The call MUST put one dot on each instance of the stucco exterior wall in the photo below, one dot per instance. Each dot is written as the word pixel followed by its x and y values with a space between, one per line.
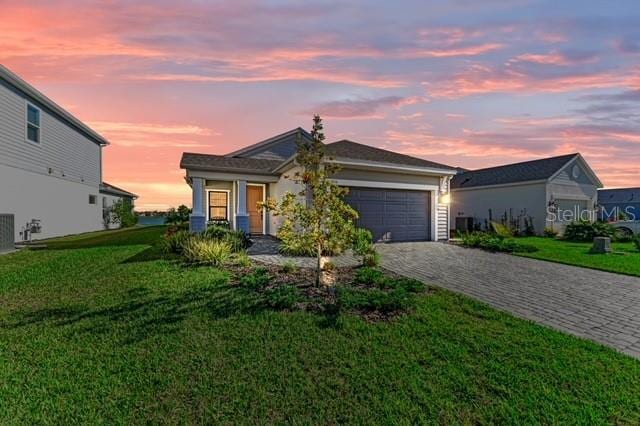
pixel 476 203
pixel 62 206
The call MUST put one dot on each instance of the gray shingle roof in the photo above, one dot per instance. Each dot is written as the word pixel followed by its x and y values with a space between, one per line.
pixel 512 173
pixel 356 151
pixel 107 188
pixel 228 164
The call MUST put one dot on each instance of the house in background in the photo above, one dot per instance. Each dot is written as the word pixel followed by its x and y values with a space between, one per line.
pixel 50 164
pixel 621 206
pixel 111 194
pixel 528 191
pixel 397 196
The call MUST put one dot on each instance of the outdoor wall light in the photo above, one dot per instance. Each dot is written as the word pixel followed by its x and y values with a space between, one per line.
pixel 445 198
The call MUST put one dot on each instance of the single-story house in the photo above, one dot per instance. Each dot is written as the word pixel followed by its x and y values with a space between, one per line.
pixel 110 195
pixel 550 192
pixel 398 197
pixel 620 203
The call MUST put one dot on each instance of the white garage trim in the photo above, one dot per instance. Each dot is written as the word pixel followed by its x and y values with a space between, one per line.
pixel 386 185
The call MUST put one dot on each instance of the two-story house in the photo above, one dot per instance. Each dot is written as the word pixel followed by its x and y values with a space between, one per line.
pixel 50 164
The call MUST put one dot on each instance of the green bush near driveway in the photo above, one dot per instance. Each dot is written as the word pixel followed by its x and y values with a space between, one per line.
pixel 495 242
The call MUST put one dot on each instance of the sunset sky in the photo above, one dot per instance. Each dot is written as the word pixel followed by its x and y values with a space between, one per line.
pixel 466 83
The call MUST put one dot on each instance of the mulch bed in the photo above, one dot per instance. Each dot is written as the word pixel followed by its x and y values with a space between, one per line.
pixel 322 299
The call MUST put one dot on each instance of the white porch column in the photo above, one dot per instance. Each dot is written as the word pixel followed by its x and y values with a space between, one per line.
pixel 198 219
pixel 242 217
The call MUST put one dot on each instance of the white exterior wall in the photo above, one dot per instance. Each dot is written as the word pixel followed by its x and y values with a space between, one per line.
pixel 476 202
pixel 52 180
pixel 62 206
pixel 277 191
pixel 566 187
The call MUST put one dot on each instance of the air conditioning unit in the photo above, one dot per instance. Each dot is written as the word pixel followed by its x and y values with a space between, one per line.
pixel 7 232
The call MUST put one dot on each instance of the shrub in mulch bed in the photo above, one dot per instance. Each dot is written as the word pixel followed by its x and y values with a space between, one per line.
pixel 370 292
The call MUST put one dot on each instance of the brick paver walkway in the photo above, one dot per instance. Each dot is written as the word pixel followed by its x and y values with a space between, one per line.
pixel 600 306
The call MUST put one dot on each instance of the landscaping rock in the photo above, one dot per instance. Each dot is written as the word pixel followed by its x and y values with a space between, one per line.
pixel 601 245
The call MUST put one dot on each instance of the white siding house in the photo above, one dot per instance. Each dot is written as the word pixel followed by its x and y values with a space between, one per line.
pixel 550 192
pixel 50 163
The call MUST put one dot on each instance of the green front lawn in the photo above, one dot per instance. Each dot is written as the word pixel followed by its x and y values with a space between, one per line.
pixel 100 329
pixel 624 260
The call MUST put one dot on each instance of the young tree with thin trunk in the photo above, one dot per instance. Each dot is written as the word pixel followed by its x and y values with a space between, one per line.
pixel 316 219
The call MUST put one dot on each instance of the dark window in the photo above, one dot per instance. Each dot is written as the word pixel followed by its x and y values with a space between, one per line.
pixel 93 199
pixel 218 205
pixel 33 124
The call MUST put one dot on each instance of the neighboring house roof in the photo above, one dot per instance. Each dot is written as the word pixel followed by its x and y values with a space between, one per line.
pixel 223 163
pixel 535 170
pixel 107 188
pixel 346 149
pixel 619 195
pixel 37 97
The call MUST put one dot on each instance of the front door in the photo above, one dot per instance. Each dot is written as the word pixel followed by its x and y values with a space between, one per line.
pixel 256 217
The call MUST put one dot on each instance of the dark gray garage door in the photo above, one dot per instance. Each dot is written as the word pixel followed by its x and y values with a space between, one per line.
pixel 392 214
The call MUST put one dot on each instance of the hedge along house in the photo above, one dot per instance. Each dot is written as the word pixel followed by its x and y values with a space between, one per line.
pixel 549 192
pixel 398 197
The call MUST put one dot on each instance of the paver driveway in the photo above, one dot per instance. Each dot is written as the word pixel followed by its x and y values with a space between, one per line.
pixel 600 306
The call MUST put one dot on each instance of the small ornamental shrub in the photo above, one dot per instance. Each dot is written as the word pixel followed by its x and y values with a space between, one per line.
pixel 493 242
pixel 502 230
pixel 371 258
pixel 362 241
pixel 174 242
pixel 375 300
pixel 256 280
pixel 221 223
pixel 238 240
pixel 215 232
pixel 636 242
pixel 202 250
pixel 368 276
pixel 550 232
pixel 586 231
pixel 240 259
pixel 123 214
pixel 282 297
pixel 289 267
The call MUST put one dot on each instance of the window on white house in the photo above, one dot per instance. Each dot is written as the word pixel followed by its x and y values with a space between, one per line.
pixel 218 205
pixel 33 124
pixel 93 199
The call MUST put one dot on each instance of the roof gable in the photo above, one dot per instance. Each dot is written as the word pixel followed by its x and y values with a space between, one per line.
pixel 527 171
pixel 278 147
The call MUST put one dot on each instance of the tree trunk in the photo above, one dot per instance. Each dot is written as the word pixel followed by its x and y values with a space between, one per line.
pixel 318 264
